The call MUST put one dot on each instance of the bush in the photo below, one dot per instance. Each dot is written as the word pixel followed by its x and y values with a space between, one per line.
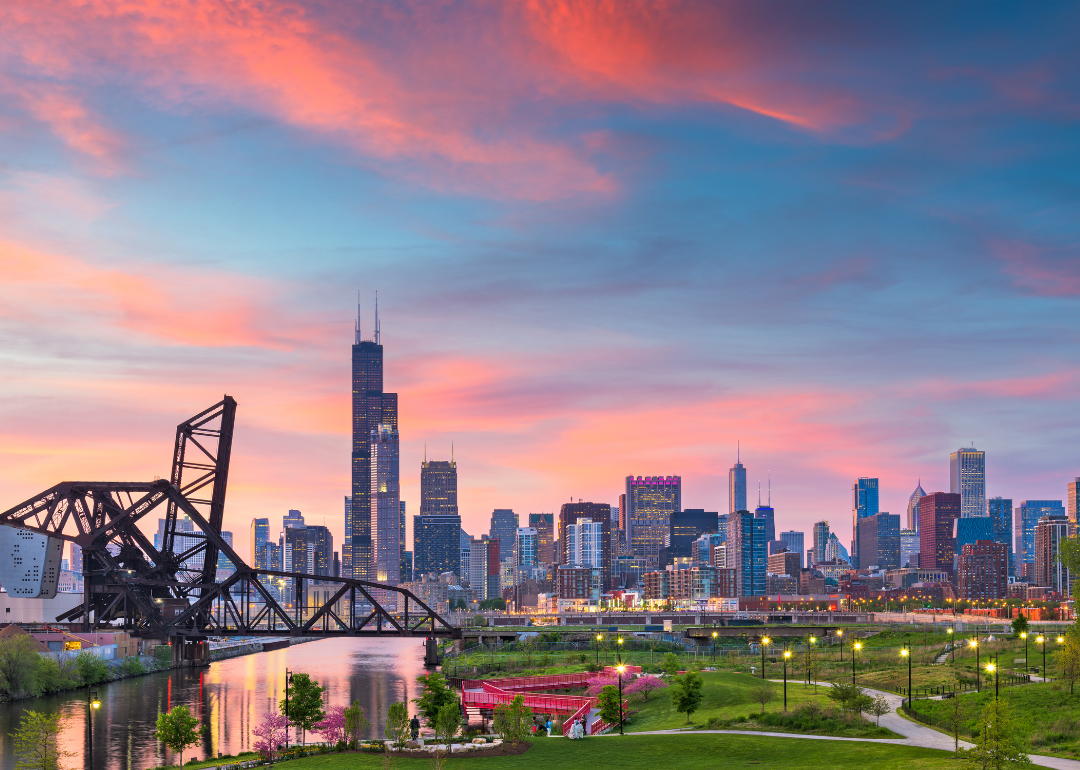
pixel 132 666
pixel 163 655
pixel 55 676
pixel 91 668
pixel 19 666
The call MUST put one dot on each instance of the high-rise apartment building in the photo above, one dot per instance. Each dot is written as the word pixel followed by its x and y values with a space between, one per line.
pixel 504 527
pixel 544 524
pixel 747 554
pixel 1025 517
pixel 385 521
pixel 585 543
pixel 794 542
pixel 1049 572
pixel 526 554
pixel 785 563
pixel 599 513
pixel 320 542
pixel 967 478
pixel 260 536
pixel 737 487
pixel 484 575
pixel 294 549
pixel 402 569
pixel 864 502
pixel 651 500
pixel 1000 510
pixel 937 512
pixel 371 408
pixel 983 571
pixel 909 548
pixel 879 541
pixel 821 541
pixel 436 544
pixel 686 527
pixel 913 507
pixel 1073 498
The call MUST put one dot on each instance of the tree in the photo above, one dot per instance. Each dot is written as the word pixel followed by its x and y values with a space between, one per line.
pixel 995 746
pixel 272 734
pixel 844 694
pixel 528 646
pixel 609 704
pixel 355 724
pixel 304 706
pixel 494 603
pixel 36 746
pixel 56 675
pixel 954 715
pixel 446 724
pixel 397 724
pixel 1069 657
pixel 762 693
pixel 92 669
pixel 1019 625
pixel 878 708
pixel 332 726
pixel 177 729
pixel 19 662
pixel 646 684
pixel 512 720
pixel 599 682
pixel 687 693
pixel 669 664
pixel 435 695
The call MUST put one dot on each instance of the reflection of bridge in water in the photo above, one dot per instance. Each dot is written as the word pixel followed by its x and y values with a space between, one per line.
pixel 171 592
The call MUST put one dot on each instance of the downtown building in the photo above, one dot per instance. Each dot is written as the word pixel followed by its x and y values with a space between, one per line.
pixel 1025 518
pixel 821 542
pixel 544 524
pixel 504 527
pixel 1049 571
pixel 437 540
pixel 864 503
pixel 913 507
pixel 937 549
pixel 983 572
pixel 572 542
pixel 737 487
pixel 878 539
pixel 967 478
pixel 650 502
pixel 1000 510
pixel 794 542
pixel 747 553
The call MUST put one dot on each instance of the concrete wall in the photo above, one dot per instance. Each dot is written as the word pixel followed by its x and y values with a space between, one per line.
pixel 16 610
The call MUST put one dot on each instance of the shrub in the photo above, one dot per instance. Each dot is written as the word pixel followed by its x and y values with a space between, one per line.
pixel 91 668
pixel 132 666
pixel 163 655
pixel 19 666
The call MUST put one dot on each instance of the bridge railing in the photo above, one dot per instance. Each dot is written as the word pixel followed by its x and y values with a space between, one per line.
pixel 525 683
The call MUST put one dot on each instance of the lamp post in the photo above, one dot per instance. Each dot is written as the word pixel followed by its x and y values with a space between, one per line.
pixel 787 654
pixel 978 677
pixel 92 705
pixel 810 641
pixel 598 638
pixel 991 668
pixel 1023 635
pixel 906 652
pixel 619 648
pixel 620 668
pixel 1042 640
pixel 714 646
pixel 288 678
pixel 856 646
pixel 840 634
pixel 764 643
pixel 952 647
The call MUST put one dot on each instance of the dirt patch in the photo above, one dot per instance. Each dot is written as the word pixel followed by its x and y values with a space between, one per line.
pixel 502 750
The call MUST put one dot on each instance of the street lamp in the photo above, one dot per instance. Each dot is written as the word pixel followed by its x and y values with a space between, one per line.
pixel 93 704
pixel 991 668
pixel 978 678
pixel 620 668
pixel 714 646
pixel 840 633
pixel 1042 640
pixel 854 648
pixel 764 642
pixel 952 647
pixel 906 652
pixel 598 638
pixel 620 650
pixel 812 640
pixel 787 654
pixel 1023 635
pixel 288 678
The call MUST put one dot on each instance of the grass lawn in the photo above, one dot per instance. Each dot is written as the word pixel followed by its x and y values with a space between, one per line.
pixel 1046 716
pixel 728 695
pixel 685 751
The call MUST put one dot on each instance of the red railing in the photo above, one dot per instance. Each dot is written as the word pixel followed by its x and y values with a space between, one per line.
pixel 490 696
pixel 521 683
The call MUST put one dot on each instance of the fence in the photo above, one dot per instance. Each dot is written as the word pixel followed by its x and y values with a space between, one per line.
pixel 1009 680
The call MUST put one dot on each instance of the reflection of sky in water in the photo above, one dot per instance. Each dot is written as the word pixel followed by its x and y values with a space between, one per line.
pixel 230 697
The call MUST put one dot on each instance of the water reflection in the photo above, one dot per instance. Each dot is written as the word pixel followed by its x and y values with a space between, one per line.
pixel 229 698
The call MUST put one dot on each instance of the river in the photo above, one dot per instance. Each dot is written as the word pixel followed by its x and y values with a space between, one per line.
pixel 229 697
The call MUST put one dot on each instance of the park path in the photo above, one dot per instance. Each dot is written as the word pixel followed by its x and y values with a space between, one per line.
pixel 915 734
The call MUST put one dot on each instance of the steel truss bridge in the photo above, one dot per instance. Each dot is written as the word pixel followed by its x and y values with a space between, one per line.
pixel 170 591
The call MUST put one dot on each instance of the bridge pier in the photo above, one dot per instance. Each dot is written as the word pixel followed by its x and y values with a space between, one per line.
pixel 431 651
pixel 189 654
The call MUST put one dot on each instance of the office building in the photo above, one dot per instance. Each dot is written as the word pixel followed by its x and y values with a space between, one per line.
pixel 864 502
pixel 1073 501
pixel 436 544
pixel 879 541
pixel 746 553
pixel 937 512
pixel 438 487
pixel 584 584
pixel 794 541
pixel 971 530
pixel 721 527
pixel 651 501
pixel 967 478
pixel 909 548
pixel 320 543
pixel 821 541
pixel 686 527
pixel 402 571
pixel 785 563
pixel 835 551
pixel 465 549
pixel 544 524
pixel 1049 571
pixel 504 527
pixel 737 486
pixel 385 519
pixel 294 549
pixel 1025 517
pixel 597 513
pixel 766 513
pixel 1000 510
pixel 585 543
pixel 182 542
pixel 407 575
pixel 983 572
pixel 260 536
pixel 913 507
pixel 371 408
pixel 292 519
pixel 528 548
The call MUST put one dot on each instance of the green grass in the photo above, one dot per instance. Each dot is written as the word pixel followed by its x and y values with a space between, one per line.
pixel 685 751
pixel 1046 716
pixel 728 696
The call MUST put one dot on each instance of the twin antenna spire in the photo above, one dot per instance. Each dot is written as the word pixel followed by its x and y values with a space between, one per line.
pixel 357 338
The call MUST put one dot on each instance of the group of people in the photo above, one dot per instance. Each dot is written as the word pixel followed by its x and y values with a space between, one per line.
pixel 577 730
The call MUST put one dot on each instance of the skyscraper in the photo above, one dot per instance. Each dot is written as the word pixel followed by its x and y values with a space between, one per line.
pixel 585 543
pixel 879 541
pixel 386 530
pixel 436 544
pixel 937 512
pixel 320 542
pixel 1001 510
pixel 260 536
pixel 983 574
pixel 913 507
pixel 1049 572
pixel 292 519
pixel 864 502
pixel 967 477
pixel 768 514
pixel 686 527
pixel 1027 515
pixel 403 567
pixel 650 501
pixel 371 408
pixel 821 541
pixel 504 527
pixel 1073 498
pixel 794 542
pixel 737 486
pixel 526 554
pixel 544 524
pixel 746 552
pixel 572 513
pixel 438 487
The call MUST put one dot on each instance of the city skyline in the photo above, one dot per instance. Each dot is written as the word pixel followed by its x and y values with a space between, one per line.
pixel 593 259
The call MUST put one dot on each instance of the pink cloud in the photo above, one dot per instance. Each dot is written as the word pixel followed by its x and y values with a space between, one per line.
pixel 1039 270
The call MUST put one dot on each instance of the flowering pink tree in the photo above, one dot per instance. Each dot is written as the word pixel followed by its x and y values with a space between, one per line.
pixel 272 734
pixel 645 684
pixel 332 727
pixel 600 681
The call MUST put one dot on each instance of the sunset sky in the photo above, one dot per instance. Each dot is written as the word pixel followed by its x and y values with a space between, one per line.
pixel 608 238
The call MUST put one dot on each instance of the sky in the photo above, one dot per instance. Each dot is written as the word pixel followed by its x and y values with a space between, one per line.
pixel 608 239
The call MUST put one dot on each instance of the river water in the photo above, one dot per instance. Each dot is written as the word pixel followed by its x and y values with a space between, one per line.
pixel 229 697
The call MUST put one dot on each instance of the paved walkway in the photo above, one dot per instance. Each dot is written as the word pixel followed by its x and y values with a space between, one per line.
pixel 915 734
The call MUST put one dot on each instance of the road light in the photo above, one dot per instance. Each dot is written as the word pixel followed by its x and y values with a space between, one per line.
pixel 906 652
pixel 978 677
pixel 855 647
pixel 787 654
pixel 620 650
pixel 620 668
pixel 952 647
pixel 991 668
pixel 840 633
pixel 764 642
pixel 93 704
pixel 598 638
pixel 1042 640
pixel 1023 635
pixel 810 642
pixel 714 646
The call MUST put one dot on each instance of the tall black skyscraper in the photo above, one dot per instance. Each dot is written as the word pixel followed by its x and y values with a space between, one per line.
pixel 371 407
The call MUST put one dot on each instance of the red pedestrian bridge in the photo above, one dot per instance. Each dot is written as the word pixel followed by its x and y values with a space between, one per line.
pixel 477 694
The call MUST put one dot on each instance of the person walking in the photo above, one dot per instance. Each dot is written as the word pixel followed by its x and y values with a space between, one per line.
pixel 414 727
